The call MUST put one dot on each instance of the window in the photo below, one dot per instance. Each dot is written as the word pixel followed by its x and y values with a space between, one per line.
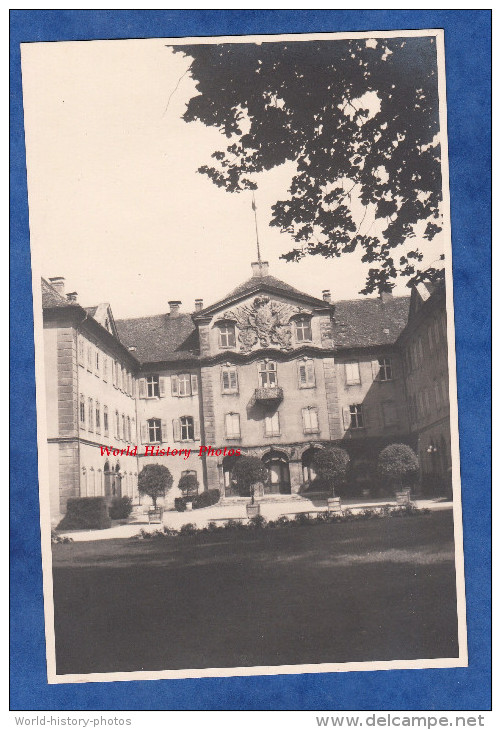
pixel 123 432
pixel 310 420
pixel 82 411
pixel 117 425
pixel 229 379
pixel 303 329
pixel 227 335
pixel 105 421
pixel 105 369
pixel 89 357
pixel 187 428
pixel 385 372
pixel 272 425
pixel 133 429
pixel 232 425
pixel 98 417
pixel 128 434
pixel 114 373
pixel 152 386
pixel 119 376
pixel 184 385
pixel 81 351
pixel 352 372
pixel 268 374
pixel 97 361
pixel 306 373
pixel 91 414
pixel 155 430
pixel 356 416
pixel 389 413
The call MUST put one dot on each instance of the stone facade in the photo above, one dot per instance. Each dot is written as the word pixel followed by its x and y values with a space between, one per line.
pixel 268 371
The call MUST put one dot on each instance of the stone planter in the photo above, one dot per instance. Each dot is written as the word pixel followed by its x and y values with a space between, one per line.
pixel 253 510
pixel 334 505
pixel 403 496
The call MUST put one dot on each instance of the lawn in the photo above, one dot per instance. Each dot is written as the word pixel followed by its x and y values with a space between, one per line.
pixel 359 591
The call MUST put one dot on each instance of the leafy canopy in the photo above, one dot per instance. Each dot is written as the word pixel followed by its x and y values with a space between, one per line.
pixel 398 464
pixel 154 480
pixel 330 465
pixel 358 118
pixel 248 471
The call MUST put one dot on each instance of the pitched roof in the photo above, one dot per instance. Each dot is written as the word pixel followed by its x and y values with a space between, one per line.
pixel 52 298
pixel 256 283
pixel 369 322
pixel 160 337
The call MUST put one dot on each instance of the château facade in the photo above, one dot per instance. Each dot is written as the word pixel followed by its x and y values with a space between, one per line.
pixel 268 371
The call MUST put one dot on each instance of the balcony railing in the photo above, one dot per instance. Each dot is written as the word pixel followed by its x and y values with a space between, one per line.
pixel 268 395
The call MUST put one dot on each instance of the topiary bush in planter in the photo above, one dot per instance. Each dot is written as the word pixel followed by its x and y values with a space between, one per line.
pixel 330 465
pixel 398 465
pixel 120 508
pixel 188 485
pixel 247 472
pixel 85 513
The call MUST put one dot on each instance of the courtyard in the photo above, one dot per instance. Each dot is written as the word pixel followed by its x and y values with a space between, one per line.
pixel 357 591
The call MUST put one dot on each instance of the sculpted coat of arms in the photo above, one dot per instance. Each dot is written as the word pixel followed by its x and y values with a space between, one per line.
pixel 264 321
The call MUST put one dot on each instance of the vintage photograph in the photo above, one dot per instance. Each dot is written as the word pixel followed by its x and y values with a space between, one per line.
pixel 245 361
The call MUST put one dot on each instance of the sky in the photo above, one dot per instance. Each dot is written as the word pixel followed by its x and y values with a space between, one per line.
pixel 115 201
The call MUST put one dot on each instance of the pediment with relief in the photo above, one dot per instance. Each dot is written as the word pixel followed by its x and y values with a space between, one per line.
pixel 264 322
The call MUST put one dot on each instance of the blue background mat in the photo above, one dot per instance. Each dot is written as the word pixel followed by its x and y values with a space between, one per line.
pixel 468 47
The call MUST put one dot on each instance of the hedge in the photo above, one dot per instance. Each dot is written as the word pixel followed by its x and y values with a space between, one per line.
pixel 204 499
pixel 85 513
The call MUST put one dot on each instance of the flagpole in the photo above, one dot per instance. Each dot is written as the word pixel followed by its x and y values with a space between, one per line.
pixel 255 223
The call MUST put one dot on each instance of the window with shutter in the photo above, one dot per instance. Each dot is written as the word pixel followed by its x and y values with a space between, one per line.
pixel 82 411
pixel 174 385
pixel 98 417
pixel 352 372
pixel 105 421
pixel 229 381
pixel 232 425
pixel 272 425
pixel 310 420
pixel 184 381
pixel 187 427
pixel 356 416
pixel 306 370
pixel 194 385
pixel 154 430
pixel 152 386
pixel 389 413
pixel 90 410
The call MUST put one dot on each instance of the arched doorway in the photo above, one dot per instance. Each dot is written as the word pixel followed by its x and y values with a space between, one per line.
pixel 108 489
pixel 279 481
pixel 228 465
pixel 308 472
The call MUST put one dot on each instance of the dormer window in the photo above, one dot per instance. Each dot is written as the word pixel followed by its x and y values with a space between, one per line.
pixel 303 329
pixel 227 335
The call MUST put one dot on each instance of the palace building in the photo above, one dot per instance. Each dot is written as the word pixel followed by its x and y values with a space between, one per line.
pixel 268 370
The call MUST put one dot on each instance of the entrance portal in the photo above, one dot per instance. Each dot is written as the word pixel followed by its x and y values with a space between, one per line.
pixel 279 481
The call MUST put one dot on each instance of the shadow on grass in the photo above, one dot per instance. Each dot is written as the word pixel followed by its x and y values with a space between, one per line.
pixel 380 590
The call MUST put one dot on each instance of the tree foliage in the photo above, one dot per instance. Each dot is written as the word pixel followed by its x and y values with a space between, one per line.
pixel 398 464
pixel 154 480
pixel 188 484
pixel 330 466
pixel 309 103
pixel 248 471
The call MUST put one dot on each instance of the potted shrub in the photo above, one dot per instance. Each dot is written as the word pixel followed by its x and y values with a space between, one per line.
pixel 188 484
pixel 331 465
pixel 399 466
pixel 248 472
pixel 154 480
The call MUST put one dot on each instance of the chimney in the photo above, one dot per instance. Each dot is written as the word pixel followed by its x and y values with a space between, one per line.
pixel 199 305
pixel 174 307
pixel 259 268
pixel 71 296
pixel 326 295
pixel 386 296
pixel 58 284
